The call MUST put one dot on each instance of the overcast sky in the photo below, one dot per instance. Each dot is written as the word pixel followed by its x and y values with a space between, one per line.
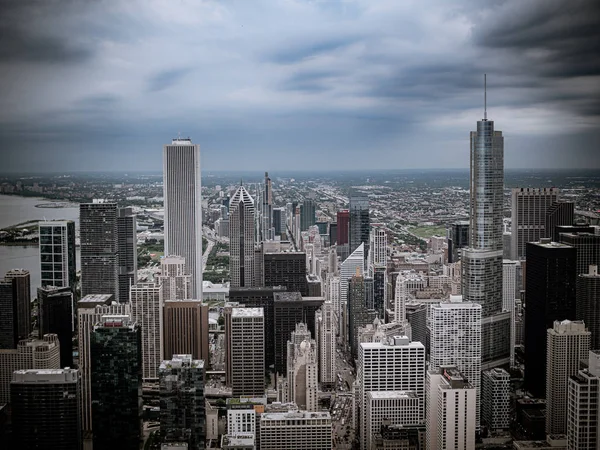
pixel 296 84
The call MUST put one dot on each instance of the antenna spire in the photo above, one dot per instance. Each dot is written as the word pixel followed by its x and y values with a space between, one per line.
pixel 485 96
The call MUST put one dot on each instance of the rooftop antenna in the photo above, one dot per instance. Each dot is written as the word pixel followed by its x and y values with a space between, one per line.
pixel 485 96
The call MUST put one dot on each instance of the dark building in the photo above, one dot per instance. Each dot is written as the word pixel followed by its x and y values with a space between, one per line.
pixel 550 296
pixel 359 314
pixel 182 404
pixel 416 315
pixel 343 227
pixel 307 214
pixel 116 383
pixel 359 225
pixel 333 233
pixel 8 315
pixel 406 437
pixel 286 269
pixel 261 297
pixel 322 226
pixel 290 308
pixel 558 213
pixel 99 253
pixel 560 229
pixel 314 286
pixel 46 409
pixel 57 253
pixel 588 304
pixel 127 249
pixel 379 290
pixel 278 215
pixel 458 237
pixel 55 315
pixel 588 249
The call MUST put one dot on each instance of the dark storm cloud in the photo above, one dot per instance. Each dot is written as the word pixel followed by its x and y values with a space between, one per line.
pixel 167 78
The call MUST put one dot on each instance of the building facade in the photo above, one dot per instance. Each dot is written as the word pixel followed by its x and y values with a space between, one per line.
pixel 127 247
pixel 55 315
pixel 246 341
pixel 241 239
pixel 185 329
pixel 147 313
pixel 306 430
pixel 325 337
pixel 58 265
pixel 495 399
pixel 588 303
pixel 359 225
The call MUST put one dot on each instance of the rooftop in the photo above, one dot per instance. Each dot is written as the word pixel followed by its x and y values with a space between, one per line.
pixel 247 312
pixel 384 395
pixel 46 376
pixel 96 298
pixel 179 361
pixel 291 415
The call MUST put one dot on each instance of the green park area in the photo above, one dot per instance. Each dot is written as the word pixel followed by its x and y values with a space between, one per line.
pixel 426 231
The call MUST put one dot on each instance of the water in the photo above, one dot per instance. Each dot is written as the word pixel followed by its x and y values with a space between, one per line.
pixel 14 210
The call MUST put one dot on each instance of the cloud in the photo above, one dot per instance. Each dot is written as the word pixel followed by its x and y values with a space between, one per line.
pixel 166 78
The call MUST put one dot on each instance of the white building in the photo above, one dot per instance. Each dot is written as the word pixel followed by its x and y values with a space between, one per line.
pixel 406 283
pixel 399 407
pixel 333 295
pixel 147 312
pixel 451 405
pixel 302 370
pixel 394 365
pixel 297 429
pixel 584 406
pixel 495 399
pixel 568 342
pixel 241 239
pixel 182 194
pixel 325 337
pixel 348 268
pixel 247 351
pixel 456 340
pixel 175 280
pixel 377 247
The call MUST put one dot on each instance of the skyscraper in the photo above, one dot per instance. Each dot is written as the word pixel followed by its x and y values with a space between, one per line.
pixel 286 269
pixel 307 214
pixel 116 383
pixel 56 316
pixel 359 224
pixel 343 226
pixel 183 206
pixel 267 225
pixel 302 369
pixel 174 278
pixel 8 315
pixel 529 207
pixel 557 214
pixel 99 251
pixel 458 238
pixel 325 337
pixel 568 343
pixel 57 253
pixel 588 303
pixel 22 292
pixel 588 249
pixel 147 313
pixel 185 329
pixel 127 247
pixel 45 409
pixel 482 261
pixel 182 403
pixel 377 247
pixel 550 296
pixel 495 399
pixel 241 239
pixel 583 398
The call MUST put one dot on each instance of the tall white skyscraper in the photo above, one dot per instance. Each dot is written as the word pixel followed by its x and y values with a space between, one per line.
pixel 241 239
pixel 57 253
pixel 147 312
pixel 174 278
pixel 584 406
pixel 325 337
pixel 568 343
pixel 406 282
pixel 183 206
pixel 377 247
pixel 333 295
pixel 456 341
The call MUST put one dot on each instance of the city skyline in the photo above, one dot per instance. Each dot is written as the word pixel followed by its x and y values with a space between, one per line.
pixel 375 82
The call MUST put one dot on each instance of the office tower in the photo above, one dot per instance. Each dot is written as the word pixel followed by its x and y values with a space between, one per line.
pixel 279 221
pixel 495 399
pixel 241 239
pixel 185 329
pixel 378 246
pixel 456 340
pixel 529 207
pixel 57 253
pixel 127 247
pixel 583 402
pixel 343 227
pixel 243 415
pixel 267 231
pixel 481 261
pixel 359 225
pixel 406 283
pixel 21 289
pixel 290 308
pixel 458 238
pixel 147 313
pixel 246 339
pixel 56 316
pixel 348 270
pixel 301 429
pixel 451 408
pixel 286 269
pixel 182 403
pixel 359 313
pixel 302 369
pixel 557 214
pixel 175 280
pixel 30 354
pixel 509 294
pixel 380 283
pixel 416 316
pixel 116 383
pixel 568 343
pixel 99 251
pixel 588 304
pixel 396 364
pixel 45 409
pixel 588 249
pixel 9 318
pixel 307 214
pixel 550 295
pixel 333 233
pixel 182 194
pixel 325 337
pixel 399 407
pixel 90 310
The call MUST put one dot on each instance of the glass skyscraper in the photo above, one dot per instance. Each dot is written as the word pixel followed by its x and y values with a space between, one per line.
pixel 57 253
pixel 359 222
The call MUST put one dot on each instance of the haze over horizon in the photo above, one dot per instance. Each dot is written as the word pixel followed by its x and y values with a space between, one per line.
pixel 297 84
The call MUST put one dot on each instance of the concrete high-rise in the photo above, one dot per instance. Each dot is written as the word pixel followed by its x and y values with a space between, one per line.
pixel 299 429
pixel 182 194
pixel 359 225
pixel 325 337
pixel 241 239
pixel 55 315
pixel 550 295
pixel 174 278
pixel 568 343
pixel 185 329
pixel 358 311
pixel 509 295
pixel 588 303
pixel 127 248
pixel 116 383
pixel 99 248
pixel 147 313
pixel 182 403
pixel 45 409
pixel 398 407
pixel 456 341
pixel 495 399
pixel 377 247
pixel 58 265
pixel 302 369
pixel 529 207
pixel 481 262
